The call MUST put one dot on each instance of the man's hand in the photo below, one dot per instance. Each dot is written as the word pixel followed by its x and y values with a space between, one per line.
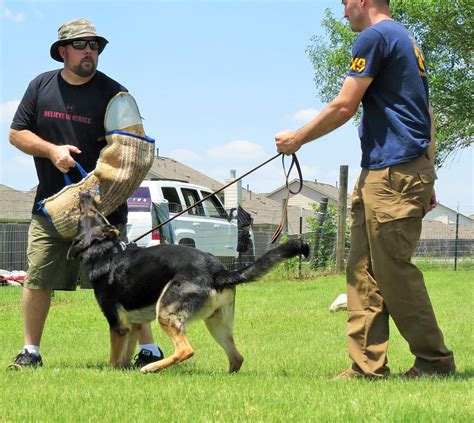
pixel 433 202
pixel 287 142
pixel 61 156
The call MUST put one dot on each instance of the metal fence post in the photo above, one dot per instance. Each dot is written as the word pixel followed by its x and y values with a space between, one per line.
pixel 456 240
pixel 323 208
pixel 301 237
pixel 284 206
pixel 342 217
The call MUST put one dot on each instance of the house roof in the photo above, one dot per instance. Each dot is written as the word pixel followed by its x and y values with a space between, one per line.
pixel 166 168
pixel 454 211
pixel 15 206
pixel 329 190
pixel 326 190
pixel 266 211
pixel 433 229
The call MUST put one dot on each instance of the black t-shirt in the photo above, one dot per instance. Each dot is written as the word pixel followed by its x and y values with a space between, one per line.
pixel 62 113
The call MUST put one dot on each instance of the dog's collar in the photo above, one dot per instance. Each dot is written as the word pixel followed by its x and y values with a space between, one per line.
pixel 121 246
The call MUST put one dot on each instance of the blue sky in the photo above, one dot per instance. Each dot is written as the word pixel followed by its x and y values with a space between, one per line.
pixel 215 80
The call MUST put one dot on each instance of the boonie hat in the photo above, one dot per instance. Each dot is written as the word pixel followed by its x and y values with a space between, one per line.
pixel 73 30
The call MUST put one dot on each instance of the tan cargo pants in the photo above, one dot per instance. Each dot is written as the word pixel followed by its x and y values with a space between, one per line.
pixel 387 209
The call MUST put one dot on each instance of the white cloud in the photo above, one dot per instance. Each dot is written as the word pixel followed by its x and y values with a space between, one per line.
pixel 305 115
pixel 184 155
pixel 7 110
pixel 15 17
pixel 309 173
pixel 237 150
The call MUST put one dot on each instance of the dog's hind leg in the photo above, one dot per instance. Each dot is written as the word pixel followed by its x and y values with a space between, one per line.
pixel 129 347
pixel 182 347
pixel 220 325
pixel 181 301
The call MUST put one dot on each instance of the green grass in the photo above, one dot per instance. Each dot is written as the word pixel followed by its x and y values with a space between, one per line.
pixel 292 344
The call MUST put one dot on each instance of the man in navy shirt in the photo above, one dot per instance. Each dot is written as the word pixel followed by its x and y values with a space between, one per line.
pixel 393 193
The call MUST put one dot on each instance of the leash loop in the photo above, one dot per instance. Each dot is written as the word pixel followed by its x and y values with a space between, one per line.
pixel 296 163
pixel 284 212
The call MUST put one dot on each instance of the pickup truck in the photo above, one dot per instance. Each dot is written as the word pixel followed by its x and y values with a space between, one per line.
pixel 207 226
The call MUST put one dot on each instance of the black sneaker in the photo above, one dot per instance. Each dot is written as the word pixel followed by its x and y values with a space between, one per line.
pixel 25 359
pixel 145 357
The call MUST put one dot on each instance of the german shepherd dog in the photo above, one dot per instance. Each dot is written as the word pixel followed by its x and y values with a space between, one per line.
pixel 174 284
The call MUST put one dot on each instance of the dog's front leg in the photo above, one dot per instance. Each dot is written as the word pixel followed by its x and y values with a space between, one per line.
pixel 129 347
pixel 118 343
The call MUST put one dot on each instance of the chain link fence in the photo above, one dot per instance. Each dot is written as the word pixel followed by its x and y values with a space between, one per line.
pixel 447 241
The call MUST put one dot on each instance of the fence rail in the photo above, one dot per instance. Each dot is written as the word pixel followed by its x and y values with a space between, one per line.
pixel 442 250
pixel 449 240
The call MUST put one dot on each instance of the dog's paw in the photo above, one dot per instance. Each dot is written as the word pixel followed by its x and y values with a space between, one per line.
pixel 149 368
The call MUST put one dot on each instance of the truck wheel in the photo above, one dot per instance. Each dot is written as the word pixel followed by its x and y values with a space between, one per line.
pixel 188 242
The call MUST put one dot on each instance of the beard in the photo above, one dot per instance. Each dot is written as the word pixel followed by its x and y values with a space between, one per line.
pixel 86 68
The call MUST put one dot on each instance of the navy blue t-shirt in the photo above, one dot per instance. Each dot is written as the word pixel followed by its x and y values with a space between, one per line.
pixel 396 125
pixel 62 113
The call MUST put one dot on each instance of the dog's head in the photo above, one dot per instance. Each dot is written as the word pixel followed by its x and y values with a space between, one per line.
pixel 95 235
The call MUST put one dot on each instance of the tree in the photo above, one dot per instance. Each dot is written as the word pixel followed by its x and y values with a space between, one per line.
pixel 444 30
pixel 324 237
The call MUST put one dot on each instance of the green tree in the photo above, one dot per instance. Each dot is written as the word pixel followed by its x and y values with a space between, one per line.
pixel 444 30
pixel 324 237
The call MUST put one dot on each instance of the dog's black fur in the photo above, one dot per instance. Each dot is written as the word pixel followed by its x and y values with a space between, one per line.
pixel 174 283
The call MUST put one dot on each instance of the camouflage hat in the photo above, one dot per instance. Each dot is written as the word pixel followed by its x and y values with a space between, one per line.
pixel 73 30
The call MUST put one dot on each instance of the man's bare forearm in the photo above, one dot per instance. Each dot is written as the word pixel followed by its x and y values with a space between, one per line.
pixel 336 114
pixel 30 143
pixel 331 118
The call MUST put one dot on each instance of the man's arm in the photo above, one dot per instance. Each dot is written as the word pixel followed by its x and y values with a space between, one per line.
pixel 32 144
pixel 338 112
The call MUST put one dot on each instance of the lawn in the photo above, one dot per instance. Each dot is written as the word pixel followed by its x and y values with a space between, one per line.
pixel 293 347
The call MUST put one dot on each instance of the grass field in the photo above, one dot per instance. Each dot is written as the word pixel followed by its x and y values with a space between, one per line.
pixel 293 347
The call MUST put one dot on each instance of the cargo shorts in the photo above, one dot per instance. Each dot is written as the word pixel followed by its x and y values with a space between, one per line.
pixel 48 266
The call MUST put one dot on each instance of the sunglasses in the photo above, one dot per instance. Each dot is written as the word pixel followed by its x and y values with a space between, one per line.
pixel 81 44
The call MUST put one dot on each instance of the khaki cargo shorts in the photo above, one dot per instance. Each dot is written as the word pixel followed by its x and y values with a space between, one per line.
pixel 48 266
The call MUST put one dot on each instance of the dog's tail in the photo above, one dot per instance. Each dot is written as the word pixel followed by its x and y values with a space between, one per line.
pixel 289 249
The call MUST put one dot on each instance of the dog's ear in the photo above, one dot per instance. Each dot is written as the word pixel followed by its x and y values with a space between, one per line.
pixel 110 232
pixel 76 247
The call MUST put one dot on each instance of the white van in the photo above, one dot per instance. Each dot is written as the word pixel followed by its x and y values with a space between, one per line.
pixel 207 226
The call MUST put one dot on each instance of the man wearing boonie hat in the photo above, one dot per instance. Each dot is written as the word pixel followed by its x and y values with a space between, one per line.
pixel 60 120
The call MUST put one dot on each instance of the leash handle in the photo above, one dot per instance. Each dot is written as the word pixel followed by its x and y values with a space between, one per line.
pixel 206 197
pixel 294 162
pixel 284 213
pixel 83 173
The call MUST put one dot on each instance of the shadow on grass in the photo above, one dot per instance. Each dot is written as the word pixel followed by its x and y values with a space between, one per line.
pixel 458 376
pixel 190 370
pixel 466 374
